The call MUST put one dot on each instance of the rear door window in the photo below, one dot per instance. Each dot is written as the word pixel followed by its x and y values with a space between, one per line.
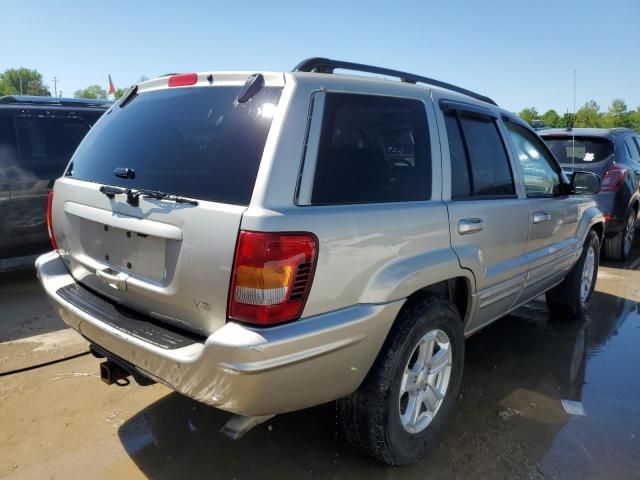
pixel 632 149
pixel 198 142
pixel 479 162
pixel 372 149
pixel 46 143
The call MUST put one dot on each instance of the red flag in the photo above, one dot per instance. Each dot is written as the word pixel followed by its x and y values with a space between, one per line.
pixel 112 88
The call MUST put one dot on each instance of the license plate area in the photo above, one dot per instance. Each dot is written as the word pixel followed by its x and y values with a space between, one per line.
pixel 125 250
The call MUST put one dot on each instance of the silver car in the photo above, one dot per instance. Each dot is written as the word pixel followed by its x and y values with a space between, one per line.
pixel 266 242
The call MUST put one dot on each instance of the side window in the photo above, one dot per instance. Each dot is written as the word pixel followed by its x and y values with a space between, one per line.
pixel 460 181
pixel 636 140
pixel 541 177
pixel 46 144
pixel 479 162
pixel 372 149
pixel 632 148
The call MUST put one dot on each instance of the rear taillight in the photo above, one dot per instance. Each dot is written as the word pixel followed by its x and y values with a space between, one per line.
pixel 183 79
pixel 613 178
pixel 52 237
pixel 272 276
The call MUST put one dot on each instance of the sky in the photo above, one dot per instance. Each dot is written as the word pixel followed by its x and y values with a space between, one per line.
pixel 520 53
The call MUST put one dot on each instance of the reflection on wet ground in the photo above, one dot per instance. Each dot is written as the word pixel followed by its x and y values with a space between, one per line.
pixel 509 423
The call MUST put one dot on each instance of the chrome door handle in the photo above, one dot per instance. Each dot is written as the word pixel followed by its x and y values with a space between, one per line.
pixel 113 278
pixel 470 225
pixel 539 217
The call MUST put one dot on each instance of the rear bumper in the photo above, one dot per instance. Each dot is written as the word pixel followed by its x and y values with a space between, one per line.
pixel 248 371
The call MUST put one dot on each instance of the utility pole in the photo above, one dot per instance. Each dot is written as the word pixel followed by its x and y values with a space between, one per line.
pixel 20 85
pixel 55 86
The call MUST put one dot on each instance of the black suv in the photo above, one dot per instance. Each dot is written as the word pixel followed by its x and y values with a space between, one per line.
pixel 38 135
pixel 614 154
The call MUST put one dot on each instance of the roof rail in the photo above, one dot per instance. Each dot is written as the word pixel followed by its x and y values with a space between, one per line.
pixel 325 65
pixel 54 101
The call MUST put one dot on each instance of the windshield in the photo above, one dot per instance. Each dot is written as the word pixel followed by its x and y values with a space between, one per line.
pixel 197 142
pixel 585 151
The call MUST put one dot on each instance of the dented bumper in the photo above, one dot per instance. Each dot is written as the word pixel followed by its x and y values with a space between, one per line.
pixel 247 371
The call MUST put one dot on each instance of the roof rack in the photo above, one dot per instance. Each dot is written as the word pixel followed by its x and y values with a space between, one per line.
pixel 54 101
pixel 325 65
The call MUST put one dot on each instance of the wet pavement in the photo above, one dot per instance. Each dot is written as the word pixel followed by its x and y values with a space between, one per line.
pixel 60 421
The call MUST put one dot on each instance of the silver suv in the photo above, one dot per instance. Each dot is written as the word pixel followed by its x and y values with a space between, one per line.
pixel 268 242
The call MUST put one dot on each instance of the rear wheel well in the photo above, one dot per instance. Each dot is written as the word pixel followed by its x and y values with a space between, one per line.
pixel 455 290
pixel 599 229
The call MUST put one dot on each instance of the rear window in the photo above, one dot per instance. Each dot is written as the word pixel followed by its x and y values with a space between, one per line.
pixel 197 142
pixel 585 150
pixel 46 144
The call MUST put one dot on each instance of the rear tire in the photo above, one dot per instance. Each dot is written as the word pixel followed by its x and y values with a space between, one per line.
pixel 419 365
pixel 570 299
pixel 618 247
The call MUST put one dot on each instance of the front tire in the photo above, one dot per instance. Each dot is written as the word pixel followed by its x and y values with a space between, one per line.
pixel 398 411
pixel 571 297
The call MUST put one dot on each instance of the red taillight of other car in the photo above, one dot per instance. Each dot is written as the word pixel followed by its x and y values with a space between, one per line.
pixel 272 276
pixel 613 178
pixel 52 237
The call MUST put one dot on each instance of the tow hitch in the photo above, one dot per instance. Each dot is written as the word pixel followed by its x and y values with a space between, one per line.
pixel 111 373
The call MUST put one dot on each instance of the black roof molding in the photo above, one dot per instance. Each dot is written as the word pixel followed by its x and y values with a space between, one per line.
pixel 326 65
pixel 53 101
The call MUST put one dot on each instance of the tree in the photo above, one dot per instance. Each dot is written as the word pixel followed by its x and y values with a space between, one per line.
pixel 92 91
pixel 634 119
pixel 22 81
pixel 589 115
pixel 617 116
pixel 529 114
pixel 567 121
pixel 118 93
pixel 551 118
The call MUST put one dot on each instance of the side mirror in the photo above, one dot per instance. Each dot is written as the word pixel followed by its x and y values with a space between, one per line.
pixel 585 183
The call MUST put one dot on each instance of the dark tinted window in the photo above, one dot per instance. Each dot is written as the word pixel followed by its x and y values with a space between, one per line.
pixel 460 182
pixel 490 168
pixel 198 142
pixel 46 144
pixel 585 150
pixel 479 162
pixel 8 150
pixel 372 149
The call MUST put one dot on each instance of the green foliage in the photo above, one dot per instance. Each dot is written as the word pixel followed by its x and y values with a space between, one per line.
pixel 551 119
pixel 529 114
pixel 617 116
pixel 567 121
pixel 92 91
pixel 118 93
pixel 589 116
pixel 16 81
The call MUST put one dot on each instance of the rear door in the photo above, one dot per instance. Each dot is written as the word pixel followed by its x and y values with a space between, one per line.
pixel 553 215
pixel 169 260
pixel 488 220
pixel 8 163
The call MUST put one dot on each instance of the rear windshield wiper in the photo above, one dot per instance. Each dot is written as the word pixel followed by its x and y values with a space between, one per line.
pixel 133 195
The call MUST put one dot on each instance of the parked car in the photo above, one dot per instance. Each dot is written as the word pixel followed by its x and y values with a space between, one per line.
pixel 268 242
pixel 614 154
pixel 38 135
